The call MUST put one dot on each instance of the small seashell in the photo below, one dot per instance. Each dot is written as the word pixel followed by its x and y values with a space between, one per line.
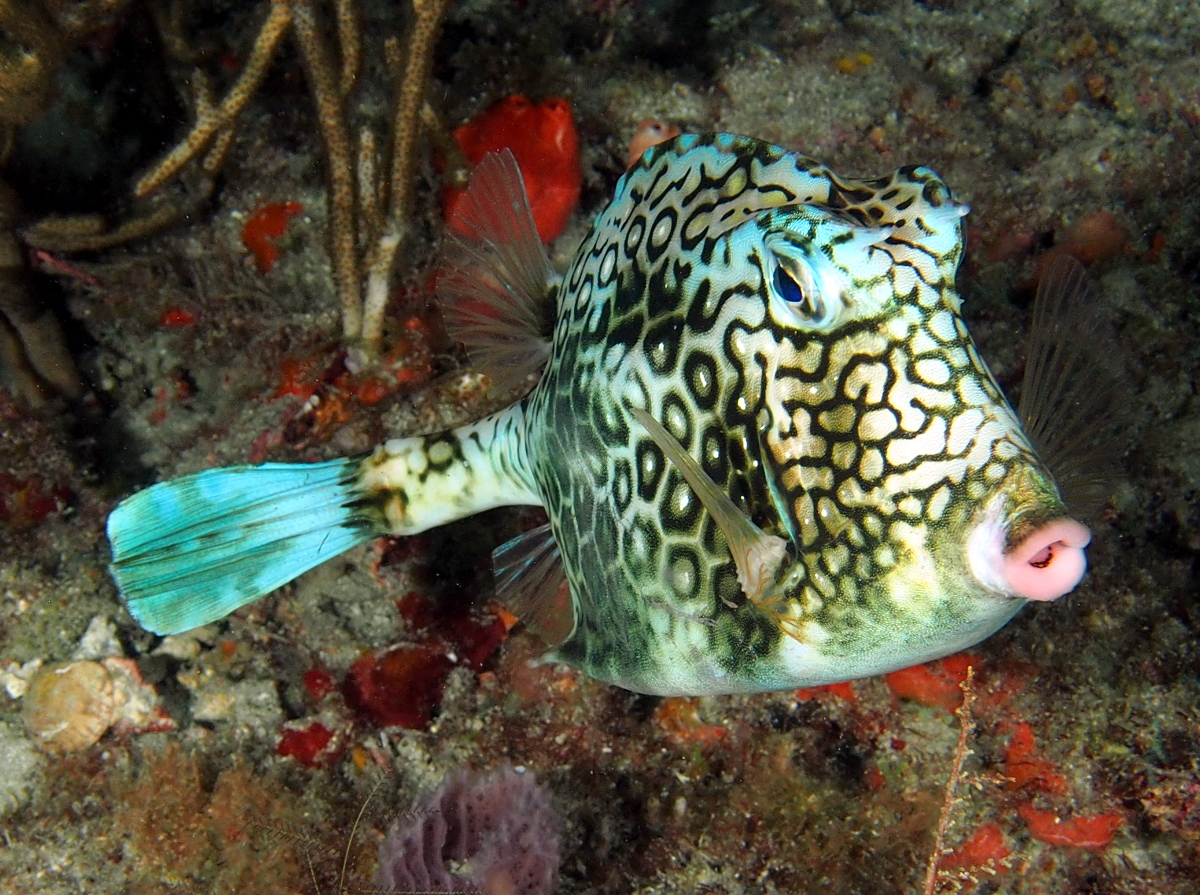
pixel 69 705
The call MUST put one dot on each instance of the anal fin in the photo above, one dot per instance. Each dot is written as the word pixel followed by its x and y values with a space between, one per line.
pixel 531 583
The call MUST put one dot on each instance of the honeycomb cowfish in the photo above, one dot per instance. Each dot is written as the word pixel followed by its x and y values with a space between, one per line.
pixel 768 449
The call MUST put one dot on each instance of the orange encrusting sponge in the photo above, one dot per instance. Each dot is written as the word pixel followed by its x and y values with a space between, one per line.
pixel 266 225
pixel 544 141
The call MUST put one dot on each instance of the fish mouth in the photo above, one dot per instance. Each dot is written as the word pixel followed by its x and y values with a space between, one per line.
pixel 1048 562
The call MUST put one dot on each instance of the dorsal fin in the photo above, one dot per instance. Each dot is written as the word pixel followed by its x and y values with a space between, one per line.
pixel 531 583
pixel 494 276
pixel 1074 407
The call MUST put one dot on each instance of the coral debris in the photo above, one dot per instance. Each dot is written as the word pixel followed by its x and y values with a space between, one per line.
pixel 69 705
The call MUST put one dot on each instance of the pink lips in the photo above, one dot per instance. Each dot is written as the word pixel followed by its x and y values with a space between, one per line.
pixel 1048 563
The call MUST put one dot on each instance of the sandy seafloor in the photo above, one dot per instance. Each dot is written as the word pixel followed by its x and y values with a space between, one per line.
pixel 1039 114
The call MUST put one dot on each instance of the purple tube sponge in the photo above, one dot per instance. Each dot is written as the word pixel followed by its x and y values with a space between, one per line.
pixel 499 828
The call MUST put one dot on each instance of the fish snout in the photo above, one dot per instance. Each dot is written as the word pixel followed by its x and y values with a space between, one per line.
pixel 1050 561
pixel 1047 563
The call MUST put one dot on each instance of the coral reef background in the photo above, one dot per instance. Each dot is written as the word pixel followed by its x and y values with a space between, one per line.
pixel 237 757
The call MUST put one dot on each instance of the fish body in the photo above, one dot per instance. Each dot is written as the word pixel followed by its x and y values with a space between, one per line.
pixel 769 451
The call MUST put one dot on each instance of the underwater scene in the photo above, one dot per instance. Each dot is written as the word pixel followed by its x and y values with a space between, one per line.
pixel 594 447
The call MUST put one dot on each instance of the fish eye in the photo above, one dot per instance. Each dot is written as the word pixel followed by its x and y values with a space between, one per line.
pixel 804 303
pixel 821 269
pixel 801 299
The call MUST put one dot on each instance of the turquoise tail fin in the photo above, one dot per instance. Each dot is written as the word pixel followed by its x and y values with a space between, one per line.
pixel 192 550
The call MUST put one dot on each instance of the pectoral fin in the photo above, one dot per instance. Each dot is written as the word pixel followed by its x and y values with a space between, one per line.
pixel 1075 406
pixel 758 555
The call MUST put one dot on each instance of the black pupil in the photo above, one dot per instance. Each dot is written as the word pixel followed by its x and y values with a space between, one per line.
pixel 790 289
